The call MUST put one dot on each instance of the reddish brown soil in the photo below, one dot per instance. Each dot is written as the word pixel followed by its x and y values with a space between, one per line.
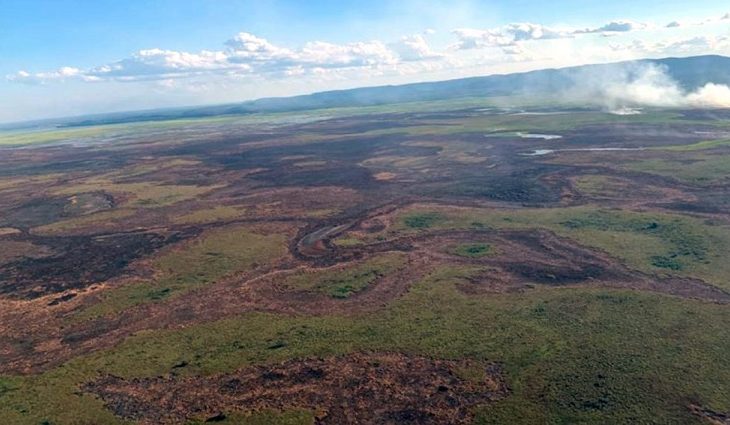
pixel 711 416
pixel 359 388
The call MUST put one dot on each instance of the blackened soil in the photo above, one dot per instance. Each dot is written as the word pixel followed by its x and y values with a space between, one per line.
pixel 80 262
pixel 41 211
pixel 360 388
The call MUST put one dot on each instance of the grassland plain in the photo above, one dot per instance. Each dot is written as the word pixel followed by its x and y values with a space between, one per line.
pixel 204 260
pixel 700 169
pixel 706 144
pixel 648 241
pixel 344 283
pixel 483 122
pixel 145 194
pixel 256 198
pixel 571 356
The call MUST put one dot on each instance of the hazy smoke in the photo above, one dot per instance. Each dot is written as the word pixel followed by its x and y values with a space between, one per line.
pixel 623 89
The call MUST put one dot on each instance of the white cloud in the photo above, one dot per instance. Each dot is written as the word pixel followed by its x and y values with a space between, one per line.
pixel 161 63
pixel 329 55
pixel 615 27
pixel 247 56
pixel 62 73
pixel 247 45
pixel 414 48
pixel 513 34
pixel 507 35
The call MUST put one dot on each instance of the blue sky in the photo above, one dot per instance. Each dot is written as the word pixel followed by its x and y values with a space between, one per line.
pixel 61 57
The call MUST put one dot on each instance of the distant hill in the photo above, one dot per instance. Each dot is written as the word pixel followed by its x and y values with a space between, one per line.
pixel 690 73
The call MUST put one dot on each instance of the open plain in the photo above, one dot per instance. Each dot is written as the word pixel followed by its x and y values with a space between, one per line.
pixel 433 262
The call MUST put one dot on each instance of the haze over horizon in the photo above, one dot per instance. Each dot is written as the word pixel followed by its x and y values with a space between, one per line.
pixel 58 61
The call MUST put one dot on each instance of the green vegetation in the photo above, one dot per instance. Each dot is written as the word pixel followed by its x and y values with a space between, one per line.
pixel 585 355
pixel 145 194
pixel 598 185
pixel 707 144
pixel 682 244
pixel 697 247
pixel 202 261
pixel 209 215
pixel 422 221
pixel 46 136
pixel 698 169
pixel 666 262
pixel 142 128
pixel 580 356
pixel 476 250
pixel 343 283
pixel 99 220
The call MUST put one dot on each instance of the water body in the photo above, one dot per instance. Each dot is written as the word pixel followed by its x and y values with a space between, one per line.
pixel 539 152
pixel 539 136
pixel 540 113
pixel 524 135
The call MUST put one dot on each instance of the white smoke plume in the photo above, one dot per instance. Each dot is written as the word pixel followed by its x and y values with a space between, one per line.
pixel 624 89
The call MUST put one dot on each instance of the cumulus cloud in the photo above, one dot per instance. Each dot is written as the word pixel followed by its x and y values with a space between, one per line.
pixel 62 73
pixel 248 46
pixel 514 34
pixel 614 27
pixel 244 54
pixel 368 53
pixel 508 35
pixel 247 55
pixel 414 48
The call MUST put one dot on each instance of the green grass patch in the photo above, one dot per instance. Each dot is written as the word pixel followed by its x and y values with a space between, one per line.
pixel 346 282
pixel 474 250
pixel 145 194
pixel 697 248
pixel 97 220
pixel 699 169
pixel 665 262
pixel 202 261
pixel 210 215
pixel 590 356
pixel 597 185
pixel 422 220
pixel 683 244
pixel 707 144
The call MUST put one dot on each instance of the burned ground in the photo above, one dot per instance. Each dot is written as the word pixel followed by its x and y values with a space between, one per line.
pixel 40 211
pixel 377 388
pixel 77 262
pixel 373 222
